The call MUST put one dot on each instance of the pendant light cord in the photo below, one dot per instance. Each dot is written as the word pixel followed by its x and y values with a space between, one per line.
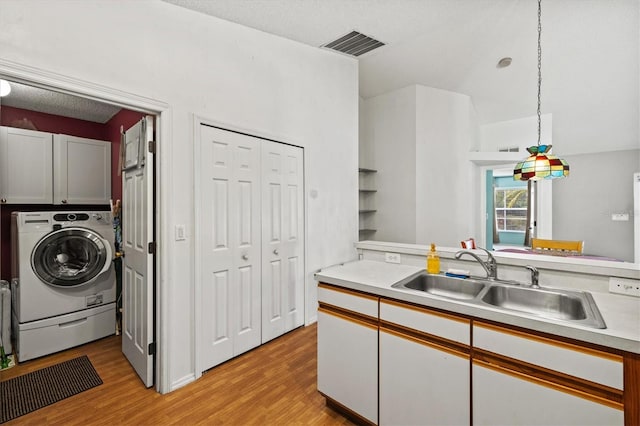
pixel 539 65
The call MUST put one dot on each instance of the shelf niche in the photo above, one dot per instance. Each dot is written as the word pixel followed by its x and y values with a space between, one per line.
pixel 366 202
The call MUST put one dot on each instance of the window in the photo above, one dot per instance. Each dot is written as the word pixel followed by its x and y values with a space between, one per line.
pixel 511 209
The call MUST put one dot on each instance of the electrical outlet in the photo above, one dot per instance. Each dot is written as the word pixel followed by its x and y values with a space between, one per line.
pixel 392 257
pixel 624 286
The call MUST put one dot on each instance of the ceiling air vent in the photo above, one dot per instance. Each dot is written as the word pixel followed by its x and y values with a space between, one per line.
pixel 354 44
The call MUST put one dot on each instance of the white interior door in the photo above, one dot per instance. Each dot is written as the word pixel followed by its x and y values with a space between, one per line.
pixel 282 239
pixel 229 247
pixel 137 266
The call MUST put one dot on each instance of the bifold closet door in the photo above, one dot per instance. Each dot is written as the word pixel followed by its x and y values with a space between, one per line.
pixel 282 239
pixel 229 235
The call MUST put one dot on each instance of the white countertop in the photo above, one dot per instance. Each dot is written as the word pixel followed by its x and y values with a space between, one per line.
pixel 620 313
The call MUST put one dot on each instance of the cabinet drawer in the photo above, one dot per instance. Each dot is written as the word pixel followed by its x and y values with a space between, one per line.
pixel 585 363
pixel 350 300
pixel 425 320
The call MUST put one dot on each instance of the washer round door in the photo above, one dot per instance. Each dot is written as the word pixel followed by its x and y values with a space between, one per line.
pixel 71 257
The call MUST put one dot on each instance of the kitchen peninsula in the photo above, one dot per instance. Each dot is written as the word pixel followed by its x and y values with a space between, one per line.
pixel 392 355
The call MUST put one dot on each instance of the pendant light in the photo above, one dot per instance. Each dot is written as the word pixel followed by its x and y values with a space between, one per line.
pixel 540 164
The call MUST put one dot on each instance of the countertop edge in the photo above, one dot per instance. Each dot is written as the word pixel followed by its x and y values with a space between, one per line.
pixel 602 337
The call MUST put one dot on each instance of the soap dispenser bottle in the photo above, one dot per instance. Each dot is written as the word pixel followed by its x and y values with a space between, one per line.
pixel 433 260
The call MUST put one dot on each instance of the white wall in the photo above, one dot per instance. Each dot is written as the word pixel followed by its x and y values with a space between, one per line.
pixel 600 185
pixel 204 66
pixel 420 138
pixel 445 132
pixel 521 133
pixel 390 129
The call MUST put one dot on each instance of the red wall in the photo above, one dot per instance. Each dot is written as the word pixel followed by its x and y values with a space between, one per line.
pixel 53 123
pixel 126 119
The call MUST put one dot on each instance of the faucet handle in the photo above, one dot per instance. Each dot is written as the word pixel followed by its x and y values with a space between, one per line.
pixel 488 253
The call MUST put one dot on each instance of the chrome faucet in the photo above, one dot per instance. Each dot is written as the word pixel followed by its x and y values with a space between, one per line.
pixel 490 266
pixel 534 276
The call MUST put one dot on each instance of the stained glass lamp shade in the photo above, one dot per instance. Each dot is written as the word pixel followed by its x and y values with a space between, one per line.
pixel 540 165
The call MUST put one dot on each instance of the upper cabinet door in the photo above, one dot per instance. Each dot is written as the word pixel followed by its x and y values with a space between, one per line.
pixel 82 170
pixel 25 166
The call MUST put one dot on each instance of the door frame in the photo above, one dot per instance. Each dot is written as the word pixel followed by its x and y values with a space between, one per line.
pixel 545 201
pixel 197 258
pixel 61 83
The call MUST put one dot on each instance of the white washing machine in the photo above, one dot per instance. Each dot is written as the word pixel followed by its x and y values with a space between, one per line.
pixel 63 280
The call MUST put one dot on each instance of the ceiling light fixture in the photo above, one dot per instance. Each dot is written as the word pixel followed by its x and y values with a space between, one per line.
pixel 5 88
pixel 540 164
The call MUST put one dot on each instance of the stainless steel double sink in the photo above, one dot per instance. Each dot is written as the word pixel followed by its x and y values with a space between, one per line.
pixel 576 307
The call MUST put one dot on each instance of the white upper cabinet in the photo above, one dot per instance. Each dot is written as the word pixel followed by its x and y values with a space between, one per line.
pixel 43 168
pixel 25 166
pixel 82 170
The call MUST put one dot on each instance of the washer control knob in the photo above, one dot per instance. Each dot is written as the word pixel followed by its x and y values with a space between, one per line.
pixel 4 200
pixel 276 252
pixel 245 257
pixel 64 201
pixel 97 216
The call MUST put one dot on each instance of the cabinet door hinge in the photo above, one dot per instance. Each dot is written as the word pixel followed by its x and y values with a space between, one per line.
pixel 152 247
pixel 152 147
pixel 152 348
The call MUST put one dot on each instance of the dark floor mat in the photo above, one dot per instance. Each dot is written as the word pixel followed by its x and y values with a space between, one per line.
pixel 32 391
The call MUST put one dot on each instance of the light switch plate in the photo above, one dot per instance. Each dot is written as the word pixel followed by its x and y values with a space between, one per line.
pixel 181 233
pixel 624 286
pixel 392 257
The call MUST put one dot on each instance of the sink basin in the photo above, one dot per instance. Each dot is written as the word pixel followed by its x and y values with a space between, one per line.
pixel 575 307
pixel 555 304
pixel 439 285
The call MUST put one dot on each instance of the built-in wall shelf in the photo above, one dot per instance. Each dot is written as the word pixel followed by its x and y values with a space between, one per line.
pixel 366 200
pixel 367 231
pixel 363 170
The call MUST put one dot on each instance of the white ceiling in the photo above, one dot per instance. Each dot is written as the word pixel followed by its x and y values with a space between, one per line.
pixel 590 47
pixel 43 100
pixel 590 53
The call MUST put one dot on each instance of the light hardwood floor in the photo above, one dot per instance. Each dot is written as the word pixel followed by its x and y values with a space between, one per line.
pixel 274 384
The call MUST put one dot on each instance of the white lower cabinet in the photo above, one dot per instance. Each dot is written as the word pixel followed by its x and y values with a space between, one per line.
pixel 424 367
pixel 523 379
pixel 348 351
pixel 397 363
pixel 500 398
pixel 421 385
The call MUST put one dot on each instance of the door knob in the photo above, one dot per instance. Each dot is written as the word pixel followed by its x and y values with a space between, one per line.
pixel 276 252
pixel 245 257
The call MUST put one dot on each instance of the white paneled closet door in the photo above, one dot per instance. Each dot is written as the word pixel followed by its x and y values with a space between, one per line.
pixel 282 239
pixel 229 249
